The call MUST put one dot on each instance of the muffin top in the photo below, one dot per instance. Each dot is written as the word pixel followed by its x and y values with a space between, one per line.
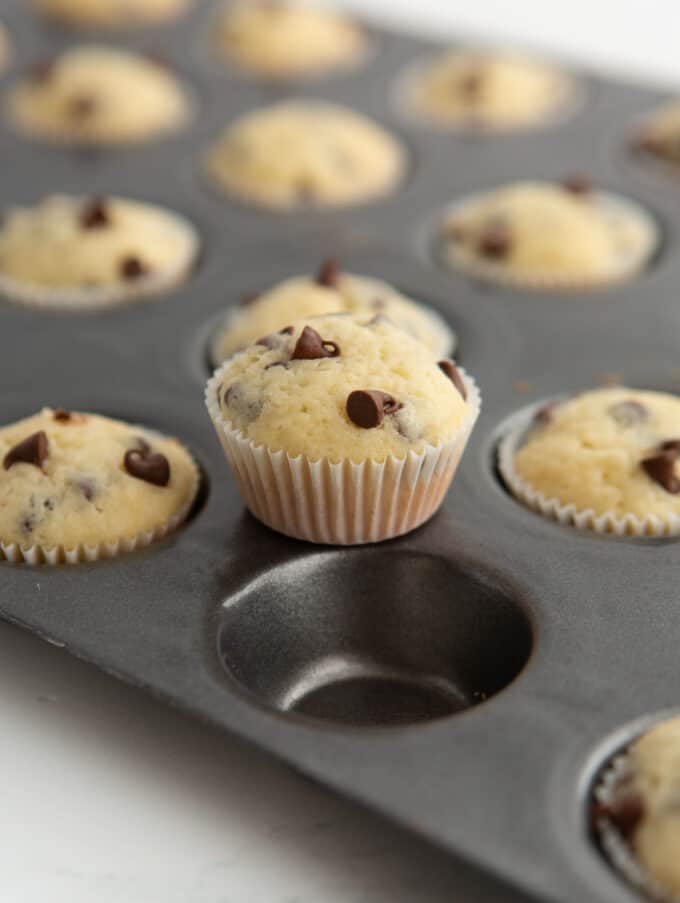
pixel 653 762
pixel 660 136
pixel 280 40
pixel 487 90
pixel 330 291
pixel 341 387
pixel 87 244
pixel 72 479
pixel 301 153
pixel 99 95
pixel 543 233
pixel 111 14
pixel 608 450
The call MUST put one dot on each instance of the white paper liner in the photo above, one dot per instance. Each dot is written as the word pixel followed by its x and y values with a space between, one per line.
pixel 614 845
pixel 343 503
pixel 14 553
pixel 91 299
pixel 651 526
pixel 616 209
pixel 568 102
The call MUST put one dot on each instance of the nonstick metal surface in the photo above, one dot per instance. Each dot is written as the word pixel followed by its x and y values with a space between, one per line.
pixel 468 679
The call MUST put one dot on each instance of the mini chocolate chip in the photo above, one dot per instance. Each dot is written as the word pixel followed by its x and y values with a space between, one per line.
pixel 628 413
pixel 495 241
pixel 669 445
pixel 661 468
pixel 62 415
pixel 143 464
pixel 244 401
pixel 132 267
pixel 94 214
pixel 624 813
pixel 577 184
pixel 82 107
pixel 470 85
pixel 248 298
pixel 272 340
pixel 32 450
pixel 28 523
pixel 86 486
pixel 42 71
pixel 449 369
pixel 367 408
pixel 546 413
pixel 329 274
pixel 49 504
pixel 310 346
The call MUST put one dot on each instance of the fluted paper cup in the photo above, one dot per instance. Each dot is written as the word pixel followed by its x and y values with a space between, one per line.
pixel 343 502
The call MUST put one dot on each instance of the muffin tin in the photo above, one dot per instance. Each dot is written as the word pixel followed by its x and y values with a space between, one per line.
pixel 469 679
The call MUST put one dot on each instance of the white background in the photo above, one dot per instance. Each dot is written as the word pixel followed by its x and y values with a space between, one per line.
pixel 107 797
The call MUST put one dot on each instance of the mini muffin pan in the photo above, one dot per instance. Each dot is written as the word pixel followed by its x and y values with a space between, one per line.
pixel 465 680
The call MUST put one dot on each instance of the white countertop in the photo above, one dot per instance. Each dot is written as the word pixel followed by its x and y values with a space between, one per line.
pixel 107 797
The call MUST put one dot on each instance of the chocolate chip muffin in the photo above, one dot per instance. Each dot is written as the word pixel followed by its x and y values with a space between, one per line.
pixel 637 815
pixel 77 487
pixel 99 95
pixel 111 14
pixel 660 135
pixel 330 291
pixel 284 40
pixel 606 460
pixel 301 154
pixel 486 90
pixel 342 429
pixel 548 236
pixel 79 253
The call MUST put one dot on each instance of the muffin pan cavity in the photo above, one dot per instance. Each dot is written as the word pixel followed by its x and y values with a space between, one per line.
pixel 375 638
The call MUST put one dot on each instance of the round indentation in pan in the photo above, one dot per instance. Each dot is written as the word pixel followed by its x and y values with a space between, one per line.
pixel 373 637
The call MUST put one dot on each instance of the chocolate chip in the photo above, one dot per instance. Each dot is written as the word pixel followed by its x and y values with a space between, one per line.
pixel 310 346
pixel 86 486
pixel 82 106
pixel 470 86
pixel 495 241
pixel 32 450
pixel 248 298
pixel 449 369
pixel 661 468
pixel 628 413
pixel 669 445
pixel 131 267
pixel 28 523
pixel 624 813
pixel 49 504
pixel 94 214
pixel 647 141
pixel 329 274
pixel 43 71
pixel 577 184
pixel 546 413
pixel 244 401
pixel 273 341
pixel 367 408
pixel 62 415
pixel 143 464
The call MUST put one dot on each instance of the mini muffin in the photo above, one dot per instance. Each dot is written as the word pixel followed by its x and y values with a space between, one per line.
pixel 79 253
pixel 99 95
pixel 636 812
pixel 342 429
pixel 77 487
pixel 331 291
pixel 111 14
pixel 282 40
pixel 660 136
pixel 305 153
pixel 486 90
pixel 548 236
pixel 604 460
